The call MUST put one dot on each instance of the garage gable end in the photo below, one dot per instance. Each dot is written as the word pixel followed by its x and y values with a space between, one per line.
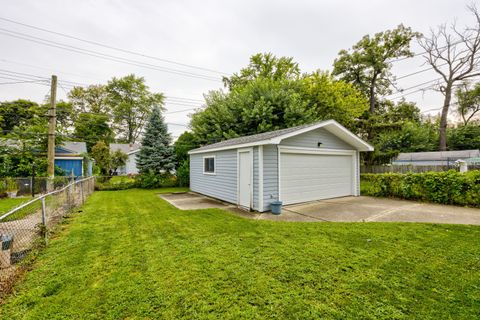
pixel 317 138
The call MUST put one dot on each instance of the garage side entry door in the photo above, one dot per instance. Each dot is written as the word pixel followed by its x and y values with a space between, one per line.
pixel 308 177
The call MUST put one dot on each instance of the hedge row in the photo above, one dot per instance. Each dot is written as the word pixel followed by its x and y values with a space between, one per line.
pixel 145 181
pixel 449 187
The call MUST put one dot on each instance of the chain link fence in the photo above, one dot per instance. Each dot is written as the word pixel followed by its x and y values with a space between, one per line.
pixel 31 185
pixel 31 222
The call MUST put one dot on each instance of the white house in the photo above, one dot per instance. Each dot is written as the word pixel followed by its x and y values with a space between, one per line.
pixel 299 164
pixel 131 149
pixel 435 158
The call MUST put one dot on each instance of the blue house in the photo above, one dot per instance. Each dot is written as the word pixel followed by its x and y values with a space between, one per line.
pixel 70 157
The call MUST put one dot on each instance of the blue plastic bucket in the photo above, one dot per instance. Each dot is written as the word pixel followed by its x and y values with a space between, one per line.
pixel 7 241
pixel 276 207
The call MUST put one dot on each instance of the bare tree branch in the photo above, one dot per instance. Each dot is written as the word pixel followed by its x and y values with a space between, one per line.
pixel 454 65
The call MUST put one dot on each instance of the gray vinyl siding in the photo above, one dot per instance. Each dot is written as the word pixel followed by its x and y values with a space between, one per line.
pixel 270 175
pixel 255 179
pixel 312 138
pixel 222 185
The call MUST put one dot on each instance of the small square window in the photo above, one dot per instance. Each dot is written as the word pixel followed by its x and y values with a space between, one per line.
pixel 209 165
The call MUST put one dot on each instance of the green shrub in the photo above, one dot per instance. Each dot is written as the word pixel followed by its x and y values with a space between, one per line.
pixel 114 183
pixel 449 187
pixel 11 185
pixel 183 174
pixel 152 180
pixel 144 181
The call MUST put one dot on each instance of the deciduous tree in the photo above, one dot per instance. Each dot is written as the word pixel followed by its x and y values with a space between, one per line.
pixel 101 154
pixel 117 159
pixel 131 103
pixel 17 113
pixel 367 65
pixel 468 103
pixel 455 55
pixel 266 66
pixel 91 128
pixel 90 99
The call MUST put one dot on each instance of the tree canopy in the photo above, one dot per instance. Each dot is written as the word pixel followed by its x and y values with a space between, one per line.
pixel 265 66
pixel 131 103
pixel 270 94
pixel 367 64
pixel 468 106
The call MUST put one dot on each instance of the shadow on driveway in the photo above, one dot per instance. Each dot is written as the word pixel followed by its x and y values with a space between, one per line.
pixel 369 209
pixel 347 209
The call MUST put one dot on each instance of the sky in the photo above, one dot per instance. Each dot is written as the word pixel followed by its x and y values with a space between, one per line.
pixel 191 44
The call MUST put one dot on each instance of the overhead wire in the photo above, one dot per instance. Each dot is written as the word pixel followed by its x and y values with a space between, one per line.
pixel 68 85
pixel 423 52
pixel 17 82
pixel 104 56
pixel 112 47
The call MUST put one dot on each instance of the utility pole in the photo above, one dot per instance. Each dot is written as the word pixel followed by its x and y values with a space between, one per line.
pixel 52 120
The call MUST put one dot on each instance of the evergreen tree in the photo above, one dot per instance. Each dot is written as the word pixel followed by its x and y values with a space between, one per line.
pixel 156 155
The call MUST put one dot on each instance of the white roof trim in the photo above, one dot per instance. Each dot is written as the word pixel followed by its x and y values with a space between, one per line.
pixel 331 125
pixel 68 158
pixel 133 151
pixel 234 146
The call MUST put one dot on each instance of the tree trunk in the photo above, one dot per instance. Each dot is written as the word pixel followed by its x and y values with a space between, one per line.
pixel 372 93
pixel 443 119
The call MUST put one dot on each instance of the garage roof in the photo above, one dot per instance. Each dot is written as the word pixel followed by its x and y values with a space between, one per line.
pixel 274 137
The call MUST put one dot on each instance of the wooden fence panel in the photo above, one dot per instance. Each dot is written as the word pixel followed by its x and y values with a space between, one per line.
pixel 405 168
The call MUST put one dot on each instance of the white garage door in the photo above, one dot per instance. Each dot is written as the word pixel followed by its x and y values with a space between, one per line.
pixel 307 177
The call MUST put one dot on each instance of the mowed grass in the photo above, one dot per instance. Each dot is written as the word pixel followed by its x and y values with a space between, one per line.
pixel 7 204
pixel 131 255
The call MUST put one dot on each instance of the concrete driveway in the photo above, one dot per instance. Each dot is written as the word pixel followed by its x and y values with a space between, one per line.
pixel 193 201
pixel 369 209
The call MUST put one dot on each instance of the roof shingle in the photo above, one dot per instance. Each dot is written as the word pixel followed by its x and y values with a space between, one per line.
pixel 254 137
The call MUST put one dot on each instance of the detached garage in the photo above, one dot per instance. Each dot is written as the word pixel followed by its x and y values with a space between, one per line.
pixel 299 164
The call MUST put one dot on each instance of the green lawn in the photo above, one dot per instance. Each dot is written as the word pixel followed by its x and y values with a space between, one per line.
pixel 6 204
pixel 131 255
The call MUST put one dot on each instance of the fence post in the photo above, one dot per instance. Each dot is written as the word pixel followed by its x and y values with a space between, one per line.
pixel 44 220
pixel 44 213
pixel 81 192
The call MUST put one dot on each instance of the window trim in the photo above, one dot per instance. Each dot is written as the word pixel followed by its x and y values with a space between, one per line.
pixel 214 165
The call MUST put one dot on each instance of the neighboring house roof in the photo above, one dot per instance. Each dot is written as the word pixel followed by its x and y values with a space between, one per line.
pixel 77 147
pixel 127 148
pixel 438 155
pixel 68 147
pixel 473 160
pixel 274 137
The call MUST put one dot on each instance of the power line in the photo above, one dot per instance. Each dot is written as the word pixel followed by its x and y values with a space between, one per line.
pixel 178 124
pixel 413 87
pixel 48 69
pixel 104 56
pixel 90 77
pixel 429 110
pixel 114 48
pixel 180 98
pixel 27 81
pixel 179 111
pixel 183 104
pixel 70 84
pixel 418 72
pixel 423 52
